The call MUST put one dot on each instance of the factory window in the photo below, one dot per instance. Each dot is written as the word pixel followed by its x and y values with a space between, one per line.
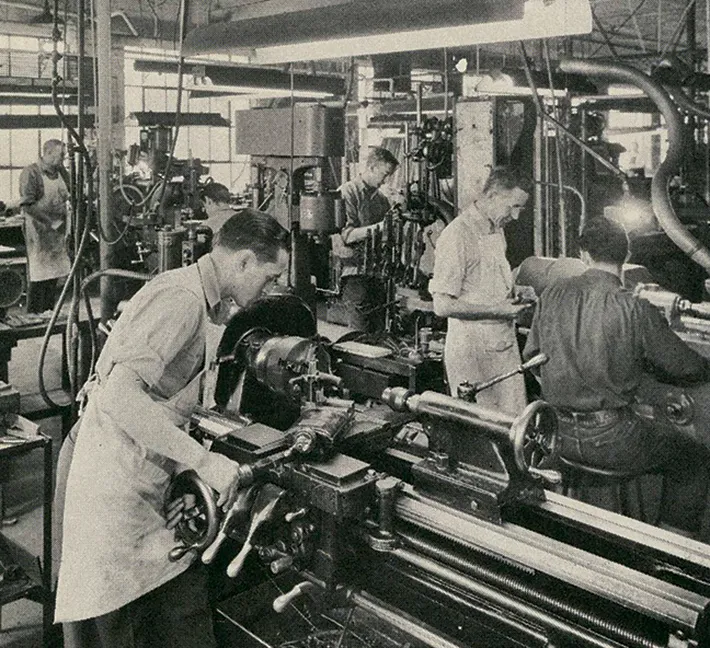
pixel 213 145
pixel 26 58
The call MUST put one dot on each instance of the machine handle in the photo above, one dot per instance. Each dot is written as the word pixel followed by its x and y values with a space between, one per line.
pixel 236 565
pixel 177 553
pixel 243 503
pixel 282 602
pixel 211 551
pixel 553 477
pixel 535 361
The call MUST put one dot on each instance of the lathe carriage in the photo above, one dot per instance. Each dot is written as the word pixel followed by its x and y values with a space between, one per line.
pixel 423 520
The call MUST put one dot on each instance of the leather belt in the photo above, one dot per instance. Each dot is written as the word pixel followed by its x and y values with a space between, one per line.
pixel 594 418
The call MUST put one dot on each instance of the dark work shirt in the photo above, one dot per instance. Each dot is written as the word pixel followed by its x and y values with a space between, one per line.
pixel 600 339
pixel 364 205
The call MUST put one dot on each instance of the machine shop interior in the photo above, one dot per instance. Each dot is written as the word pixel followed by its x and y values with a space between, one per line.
pixel 379 505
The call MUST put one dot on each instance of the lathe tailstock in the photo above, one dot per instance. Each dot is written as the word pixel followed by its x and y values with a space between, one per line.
pixel 424 521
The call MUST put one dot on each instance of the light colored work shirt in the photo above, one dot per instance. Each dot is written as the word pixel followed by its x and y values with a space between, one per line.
pixel 114 544
pixel 470 265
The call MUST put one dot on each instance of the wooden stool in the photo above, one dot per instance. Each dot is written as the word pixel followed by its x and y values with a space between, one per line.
pixel 625 487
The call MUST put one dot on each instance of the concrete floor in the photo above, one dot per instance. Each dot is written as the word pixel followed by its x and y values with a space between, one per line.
pixel 22 620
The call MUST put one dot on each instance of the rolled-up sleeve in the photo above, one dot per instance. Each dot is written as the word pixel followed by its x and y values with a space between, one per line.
pixel 159 331
pixel 31 186
pixel 449 264
pixel 352 209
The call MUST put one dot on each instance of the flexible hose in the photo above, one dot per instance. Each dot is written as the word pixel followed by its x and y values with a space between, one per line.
pixel 659 186
pixel 686 104
pixel 85 234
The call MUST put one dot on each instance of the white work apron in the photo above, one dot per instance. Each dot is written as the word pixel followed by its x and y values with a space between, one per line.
pixel 114 542
pixel 479 350
pixel 47 256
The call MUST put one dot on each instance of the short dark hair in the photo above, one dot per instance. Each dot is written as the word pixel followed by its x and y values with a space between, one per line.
pixel 50 145
pixel 507 178
pixel 379 155
pixel 253 230
pixel 216 192
pixel 605 240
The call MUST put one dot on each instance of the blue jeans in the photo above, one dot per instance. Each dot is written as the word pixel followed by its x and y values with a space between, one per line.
pixel 633 444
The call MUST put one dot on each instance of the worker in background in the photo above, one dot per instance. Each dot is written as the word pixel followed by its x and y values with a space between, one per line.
pixel 44 199
pixel 216 197
pixel 472 287
pixel 116 585
pixel 600 340
pixel 365 207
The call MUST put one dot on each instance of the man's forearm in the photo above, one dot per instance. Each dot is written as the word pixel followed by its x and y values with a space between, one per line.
pixel 126 402
pixel 37 214
pixel 462 309
pixel 357 234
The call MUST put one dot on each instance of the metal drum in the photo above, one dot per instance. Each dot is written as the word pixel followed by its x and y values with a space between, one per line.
pixel 318 213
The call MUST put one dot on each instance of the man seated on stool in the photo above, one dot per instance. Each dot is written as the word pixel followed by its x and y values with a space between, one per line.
pixel 600 339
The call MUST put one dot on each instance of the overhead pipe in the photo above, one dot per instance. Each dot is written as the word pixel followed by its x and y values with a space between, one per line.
pixel 686 104
pixel 659 186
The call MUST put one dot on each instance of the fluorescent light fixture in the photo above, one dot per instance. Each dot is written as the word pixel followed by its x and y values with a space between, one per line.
pixel 541 19
pixel 501 85
pixel 203 87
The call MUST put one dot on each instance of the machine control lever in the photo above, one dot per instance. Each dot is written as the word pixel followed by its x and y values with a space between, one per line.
pixel 262 511
pixel 243 503
pixel 282 602
pixel 467 391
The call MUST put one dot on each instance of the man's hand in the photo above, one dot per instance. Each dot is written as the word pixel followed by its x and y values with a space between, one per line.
pixel 227 497
pixel 511 310
pixel 180 509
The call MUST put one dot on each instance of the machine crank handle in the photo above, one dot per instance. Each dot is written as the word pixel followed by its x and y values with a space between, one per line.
pixel 243 503
pixel 236 565
pixel 282 602
pixel 536 361
pixel 177 553
pixel 552 477
pixel 468 391
pixel 261 512
pixel 249 473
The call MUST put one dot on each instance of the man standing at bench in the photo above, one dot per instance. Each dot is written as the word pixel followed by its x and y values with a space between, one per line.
pixel 44 197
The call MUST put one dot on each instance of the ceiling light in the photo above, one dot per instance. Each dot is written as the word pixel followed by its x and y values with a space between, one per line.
pixel 540 19
pixel 205 87
pixel 461 65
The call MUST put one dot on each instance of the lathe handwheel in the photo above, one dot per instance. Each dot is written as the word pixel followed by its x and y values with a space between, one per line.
pixel 534 436
pixel 200 530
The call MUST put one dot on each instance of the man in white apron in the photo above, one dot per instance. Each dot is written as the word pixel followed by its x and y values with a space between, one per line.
pixel 116 586
pixel 472 287
pixel 43 198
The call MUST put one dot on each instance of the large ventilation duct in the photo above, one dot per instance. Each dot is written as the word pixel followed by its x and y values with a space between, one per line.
pixel 659 187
